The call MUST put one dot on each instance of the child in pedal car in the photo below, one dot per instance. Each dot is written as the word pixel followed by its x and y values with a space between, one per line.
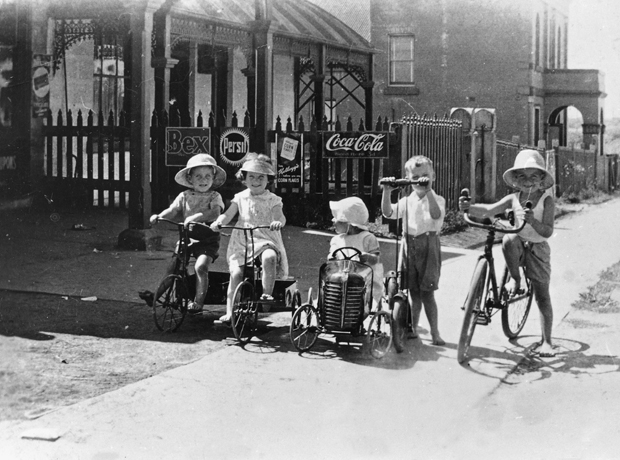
pixel 351 225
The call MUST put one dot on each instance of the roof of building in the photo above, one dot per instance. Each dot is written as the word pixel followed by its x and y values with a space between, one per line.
pixel 354 13
pixel 298 18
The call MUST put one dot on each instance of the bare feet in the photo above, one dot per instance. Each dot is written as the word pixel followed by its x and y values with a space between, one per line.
pixel 545 350
pixel 437 340
pixel 412 334
pixel 513 287
pixel 224 319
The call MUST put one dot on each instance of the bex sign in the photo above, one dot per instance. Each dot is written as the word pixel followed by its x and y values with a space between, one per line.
pixel 355 145
pixel 182 143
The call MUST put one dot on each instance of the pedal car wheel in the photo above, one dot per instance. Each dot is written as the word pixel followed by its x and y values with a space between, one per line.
pixel 244 312
pixel 399 323
pixel 516 308
pixel 379 336
pixel 170 304
pixel 304 328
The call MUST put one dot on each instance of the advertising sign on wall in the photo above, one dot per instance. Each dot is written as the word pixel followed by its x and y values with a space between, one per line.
pixel 41 64
pixel 182 143
pixel 290 160
pixel 355 144
pixel 234 146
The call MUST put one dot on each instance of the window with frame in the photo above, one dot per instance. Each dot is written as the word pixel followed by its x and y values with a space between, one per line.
pixel 109 78
pixel 401 59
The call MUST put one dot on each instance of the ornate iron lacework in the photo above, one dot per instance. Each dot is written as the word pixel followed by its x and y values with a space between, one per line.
pixel 68 32
pixel 293 47
pixel 182 30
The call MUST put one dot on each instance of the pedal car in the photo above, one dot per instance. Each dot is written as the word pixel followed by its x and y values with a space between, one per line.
pixel 344 300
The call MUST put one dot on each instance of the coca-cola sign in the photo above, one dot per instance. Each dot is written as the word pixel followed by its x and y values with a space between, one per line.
pixel 355 145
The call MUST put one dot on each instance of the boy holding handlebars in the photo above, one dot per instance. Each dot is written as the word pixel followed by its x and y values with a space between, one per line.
pixel 198 204
pixel 423 212
pixel 529 247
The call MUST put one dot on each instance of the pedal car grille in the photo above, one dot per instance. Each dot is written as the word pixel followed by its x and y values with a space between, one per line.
pixel 339 314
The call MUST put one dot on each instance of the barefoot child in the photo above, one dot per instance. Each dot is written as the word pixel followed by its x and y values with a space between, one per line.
pixel 256 206
pixel 423 212
pixel 350 220
pixel 529 247
pixel 198 204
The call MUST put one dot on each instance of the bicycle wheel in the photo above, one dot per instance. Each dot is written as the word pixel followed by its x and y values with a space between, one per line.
pixel 244 312
pixel 399 323
pixel 304 329
pixel 379 336
pixel 474 304
pixel 170 304
pixel 515 309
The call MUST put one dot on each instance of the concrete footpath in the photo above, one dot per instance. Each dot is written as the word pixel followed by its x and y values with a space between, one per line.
pixel 266 401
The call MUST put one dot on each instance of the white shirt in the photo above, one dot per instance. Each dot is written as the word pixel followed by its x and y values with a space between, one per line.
pixel 416 214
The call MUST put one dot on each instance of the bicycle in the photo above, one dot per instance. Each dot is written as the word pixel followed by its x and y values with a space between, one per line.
pixel 485 296
pixel 246 298
pixel 178 288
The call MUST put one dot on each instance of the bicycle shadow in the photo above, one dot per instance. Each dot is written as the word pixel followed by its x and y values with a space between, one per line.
pixel 520 363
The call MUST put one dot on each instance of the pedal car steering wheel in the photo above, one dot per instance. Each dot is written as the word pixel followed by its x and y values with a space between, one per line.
pixel 356 253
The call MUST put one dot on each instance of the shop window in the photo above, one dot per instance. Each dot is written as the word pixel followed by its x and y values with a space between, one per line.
pixel 109 74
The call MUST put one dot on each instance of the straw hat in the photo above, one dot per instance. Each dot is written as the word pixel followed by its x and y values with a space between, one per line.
pixel 260 164
pixel 528 159
pixel 351 210
pixel 202 159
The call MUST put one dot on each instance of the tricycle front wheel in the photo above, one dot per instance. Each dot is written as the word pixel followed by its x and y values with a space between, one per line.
pixel 244 313
pixel 170 304
pixel 304 329
pixel 379 337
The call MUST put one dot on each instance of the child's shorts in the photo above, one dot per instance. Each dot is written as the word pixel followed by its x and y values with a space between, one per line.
pixel 420 262
pixel 204 242
pixel 534 257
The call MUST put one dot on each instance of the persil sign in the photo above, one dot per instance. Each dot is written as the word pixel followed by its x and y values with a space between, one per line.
pixel 355 145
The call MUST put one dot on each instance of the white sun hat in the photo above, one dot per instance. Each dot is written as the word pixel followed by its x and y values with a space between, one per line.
pixel 351 210
pixel 259 164
pixel 528 158
pixel 202 159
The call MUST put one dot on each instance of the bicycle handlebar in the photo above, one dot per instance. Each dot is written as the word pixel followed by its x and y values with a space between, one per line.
pixel 493 225
pixel 404 182
pixel 163 219
pixel 233 227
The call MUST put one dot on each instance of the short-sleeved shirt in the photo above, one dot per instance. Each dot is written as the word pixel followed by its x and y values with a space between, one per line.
pixel 416 215
pixel 190 202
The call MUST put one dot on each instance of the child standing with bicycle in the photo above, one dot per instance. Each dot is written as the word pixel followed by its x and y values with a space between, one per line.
pixel 350 222
pixel 198 204
pixel 256 206
pixel 529 247
pixel 422 212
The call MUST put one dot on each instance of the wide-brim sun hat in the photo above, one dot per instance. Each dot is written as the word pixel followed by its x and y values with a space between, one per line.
pixel 528 158
pixel 351 210
pixel 202 159
pixel 259 164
